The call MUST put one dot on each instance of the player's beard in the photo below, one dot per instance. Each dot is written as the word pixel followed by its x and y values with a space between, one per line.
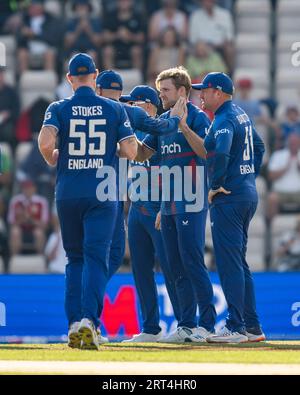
pixel 168 104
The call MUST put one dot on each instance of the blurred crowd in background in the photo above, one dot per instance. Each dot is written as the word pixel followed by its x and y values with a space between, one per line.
pixel 248 39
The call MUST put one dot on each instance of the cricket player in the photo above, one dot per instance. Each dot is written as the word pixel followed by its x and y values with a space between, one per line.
pixel 109 84
pixel 146 243
pixel 88 130
pixel 234 156
pixel 183 219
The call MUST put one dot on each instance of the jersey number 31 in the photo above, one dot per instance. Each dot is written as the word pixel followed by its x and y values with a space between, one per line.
pixel 82 136
pixel 248 151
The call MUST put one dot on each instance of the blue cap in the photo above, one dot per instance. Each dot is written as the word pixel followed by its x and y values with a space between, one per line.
pixel 142 93
pixel 81 64
pixel 109 79
pixel 219 81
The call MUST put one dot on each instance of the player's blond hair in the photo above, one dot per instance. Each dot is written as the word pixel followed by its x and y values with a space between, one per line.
pixel 178 75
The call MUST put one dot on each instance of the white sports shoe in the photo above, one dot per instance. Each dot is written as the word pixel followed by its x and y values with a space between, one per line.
pixel 200 334
pixel 89 335
pixel 227 336
pixel 183 335
pixel 101 339
pixel 144 337
pixel 74 337
pixel 255 337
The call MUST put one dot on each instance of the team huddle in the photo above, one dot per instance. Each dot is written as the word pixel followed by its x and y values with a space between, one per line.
pixel 180 166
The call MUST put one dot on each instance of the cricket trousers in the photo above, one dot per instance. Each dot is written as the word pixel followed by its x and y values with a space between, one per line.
pixel 229 225
pixel 117 248
pixel 87 227
pixel 184 241
pixel 145 243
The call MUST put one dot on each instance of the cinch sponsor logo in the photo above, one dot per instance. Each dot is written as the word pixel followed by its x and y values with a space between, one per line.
pixel 221 131
pixel 2 314
pixel 173 148
pixel 296 316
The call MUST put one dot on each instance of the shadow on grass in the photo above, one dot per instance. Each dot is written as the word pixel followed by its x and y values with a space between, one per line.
pixel 22 348
pixel 201 346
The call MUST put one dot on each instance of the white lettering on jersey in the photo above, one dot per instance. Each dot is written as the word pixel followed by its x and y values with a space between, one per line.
pixel 247 169
pixel 171 148
pixel 243 118
pixel 47 116
pixel 136 163
pixel 86 111
pixel 79 164
pixel 221 131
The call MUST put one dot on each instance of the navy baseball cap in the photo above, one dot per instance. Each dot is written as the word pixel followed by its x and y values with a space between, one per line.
pixel 109 79
pixel 81 64
pixel 142 93
pixel 219 81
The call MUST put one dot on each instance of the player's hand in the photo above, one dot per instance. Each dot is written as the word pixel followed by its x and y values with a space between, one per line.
pixel 158 221
pixel 212 194
pixel 182 122
pixel 179 108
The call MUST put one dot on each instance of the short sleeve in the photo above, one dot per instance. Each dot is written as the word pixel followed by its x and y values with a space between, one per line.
pixel 51 116
pixel 125 131
pixel 151 142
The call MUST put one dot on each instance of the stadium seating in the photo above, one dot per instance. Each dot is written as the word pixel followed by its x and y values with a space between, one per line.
pixel 260 79
pixel 27 264
pixel 253 61
pixel 9 43
pixel 288 8
pixel 287 85
pixel 282 224
pixel 131 78
pixel 36 84
pixel 253 7
pixel 253 24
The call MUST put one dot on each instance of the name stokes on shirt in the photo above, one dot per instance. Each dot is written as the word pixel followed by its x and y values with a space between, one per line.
pixel 86 111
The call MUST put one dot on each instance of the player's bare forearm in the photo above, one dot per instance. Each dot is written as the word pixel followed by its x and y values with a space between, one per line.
pixel 143 153
pixel 46 142
pixel 194 141
pixel 128 148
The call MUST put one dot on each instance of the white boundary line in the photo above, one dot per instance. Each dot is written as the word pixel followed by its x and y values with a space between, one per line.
pixel 149 368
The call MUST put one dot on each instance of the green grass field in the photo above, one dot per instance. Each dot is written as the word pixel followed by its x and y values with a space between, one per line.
pixel 271 352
